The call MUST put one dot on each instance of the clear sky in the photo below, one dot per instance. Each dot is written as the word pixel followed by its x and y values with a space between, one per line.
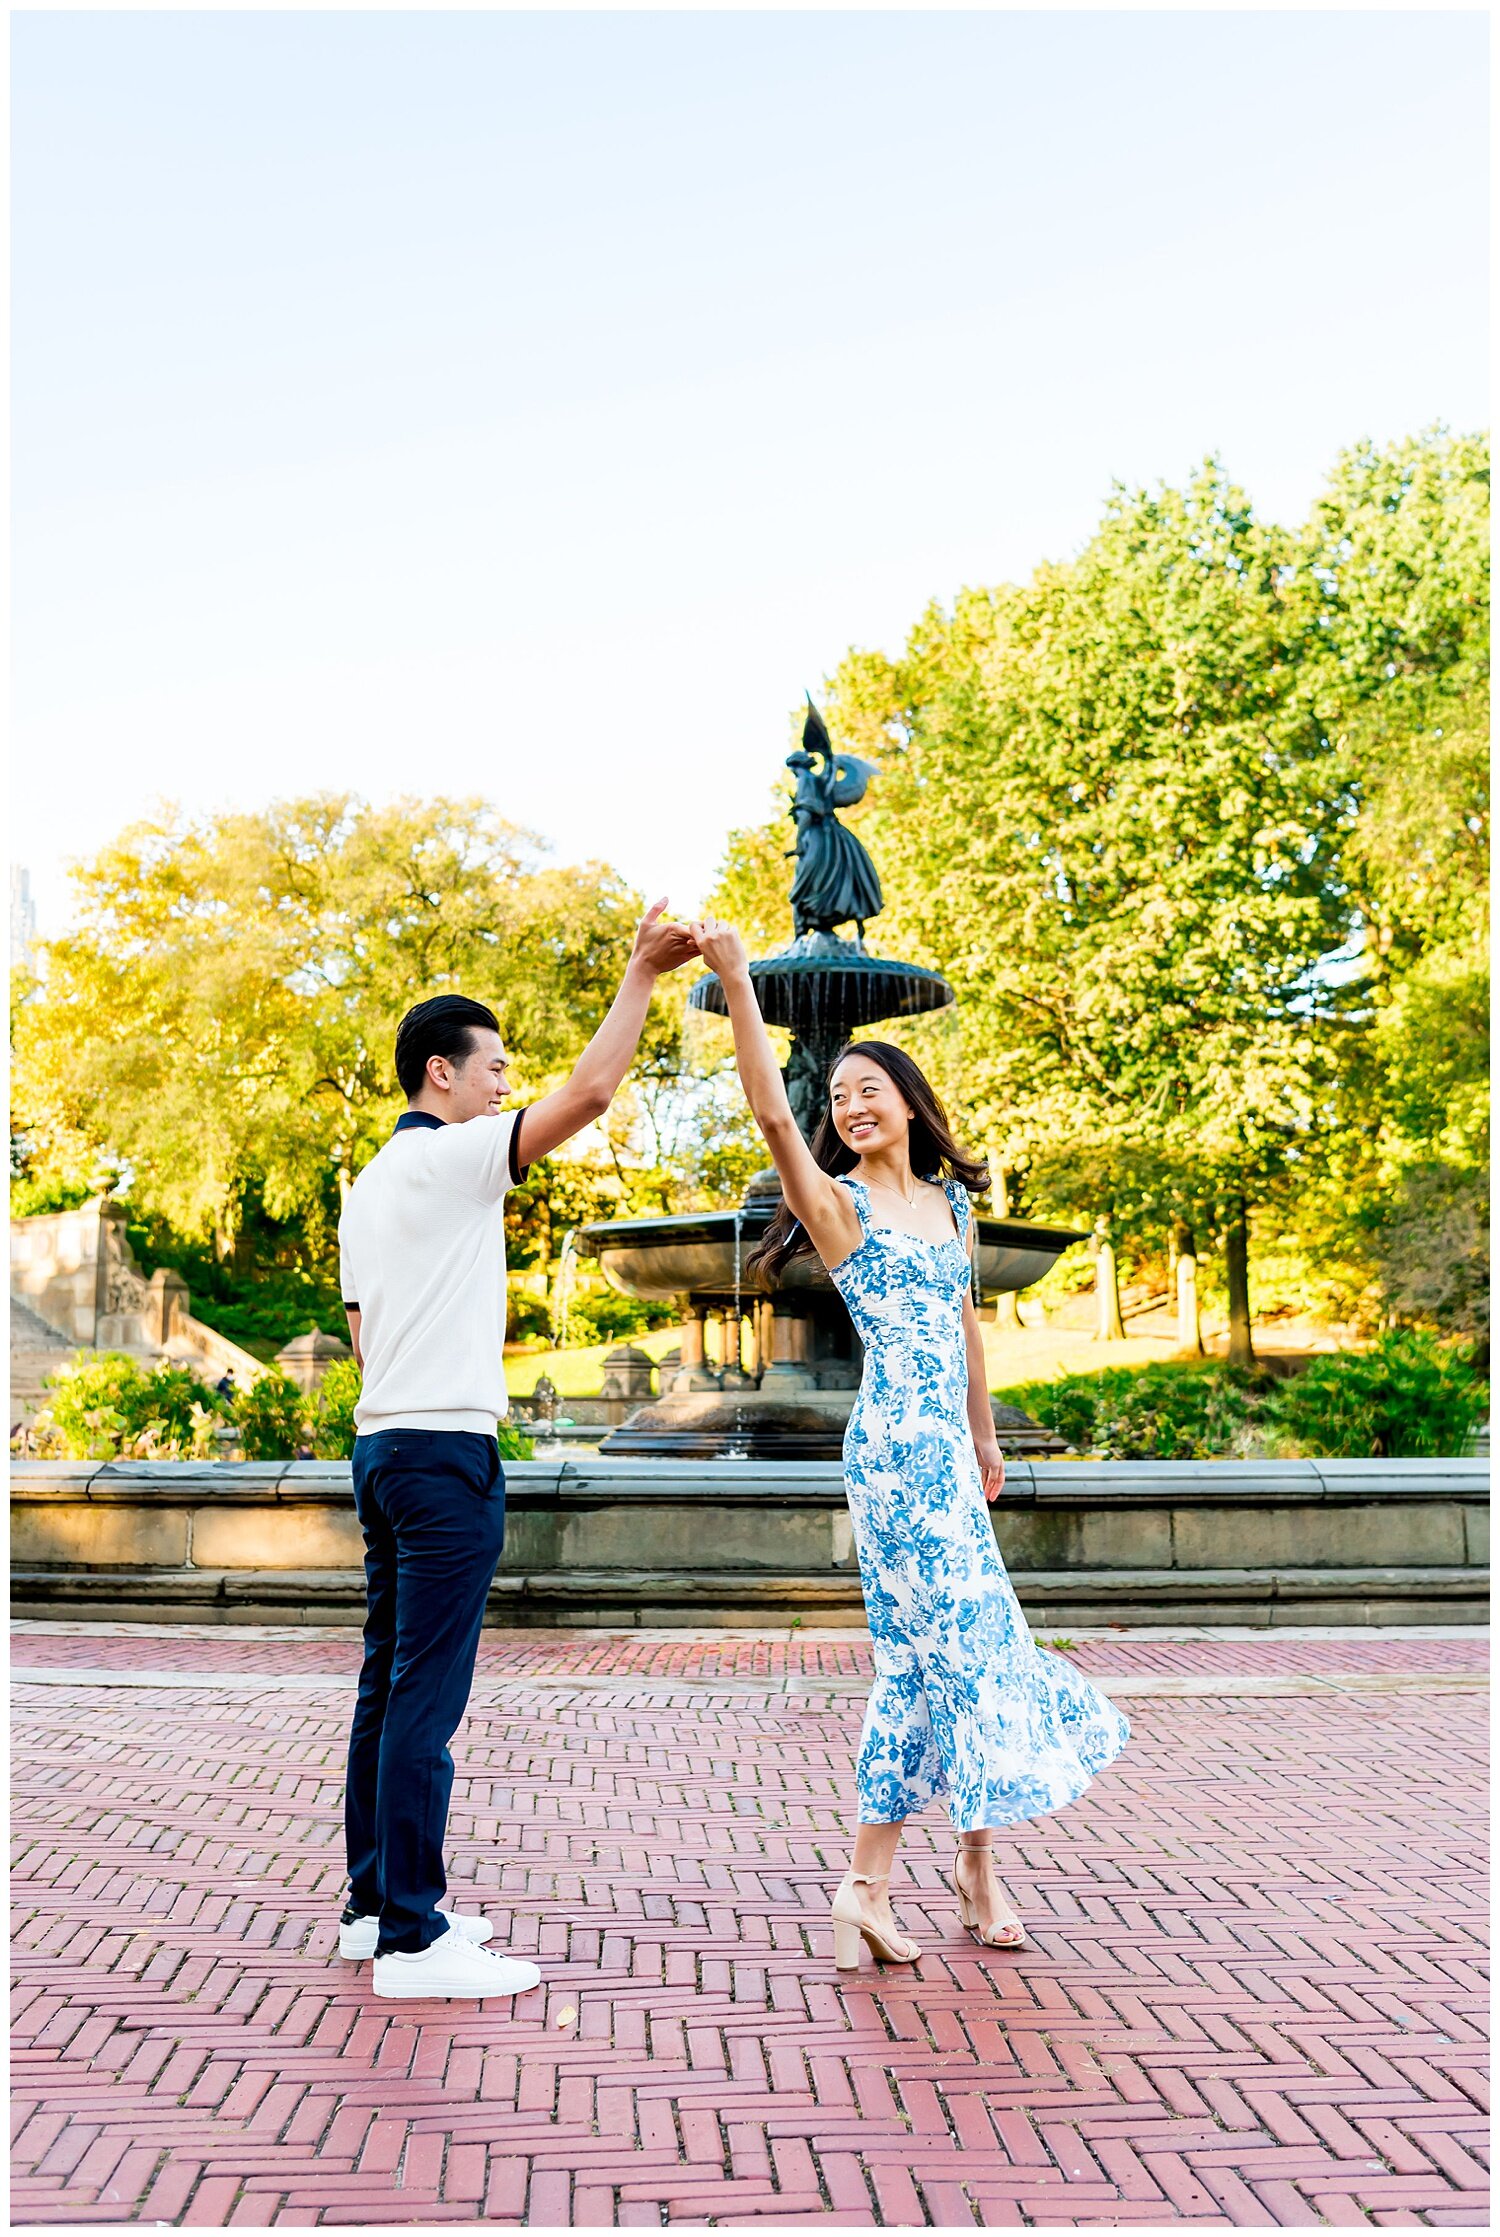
pixel 534 405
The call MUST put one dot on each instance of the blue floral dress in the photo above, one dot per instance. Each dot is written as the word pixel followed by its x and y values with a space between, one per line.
pixel 963 1706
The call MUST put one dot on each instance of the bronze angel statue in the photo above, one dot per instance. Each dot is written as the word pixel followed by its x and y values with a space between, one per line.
pixel 836 882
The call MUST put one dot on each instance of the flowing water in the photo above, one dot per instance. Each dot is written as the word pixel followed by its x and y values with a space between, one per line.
pixel 562 1289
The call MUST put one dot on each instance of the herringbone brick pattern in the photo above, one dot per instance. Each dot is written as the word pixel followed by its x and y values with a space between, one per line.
pixel 739 1654
pixel 1253 1995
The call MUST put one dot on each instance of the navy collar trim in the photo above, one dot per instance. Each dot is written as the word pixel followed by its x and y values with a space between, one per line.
pixel 419 1118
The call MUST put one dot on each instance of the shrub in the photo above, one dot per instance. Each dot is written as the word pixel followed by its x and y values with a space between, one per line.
pixel 1164 1411
pixel 254 1299
pixel 106 1406
pixel 528 1318
pixel 332 1412
pixel 1408 1397
pixel 602 1316
pixel 272 1417
pixel 332 1422
pixel 30 1194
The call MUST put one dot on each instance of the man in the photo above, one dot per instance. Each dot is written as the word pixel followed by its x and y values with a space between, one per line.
pixel 422 1255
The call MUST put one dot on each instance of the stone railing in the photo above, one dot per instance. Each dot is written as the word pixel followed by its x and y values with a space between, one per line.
pixel 76 1271
pixel 591 1540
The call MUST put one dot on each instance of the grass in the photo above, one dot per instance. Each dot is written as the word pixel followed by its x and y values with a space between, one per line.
pixel 577 1372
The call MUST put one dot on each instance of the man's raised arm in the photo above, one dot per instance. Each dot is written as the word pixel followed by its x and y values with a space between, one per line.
pixel 660 945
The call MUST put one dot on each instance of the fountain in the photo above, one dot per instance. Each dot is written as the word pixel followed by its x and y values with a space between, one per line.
pixel 562 1289
pixel 793 1401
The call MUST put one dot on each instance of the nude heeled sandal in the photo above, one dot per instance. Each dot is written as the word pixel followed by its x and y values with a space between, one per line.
pixel 850 1926
pixel 1009 1935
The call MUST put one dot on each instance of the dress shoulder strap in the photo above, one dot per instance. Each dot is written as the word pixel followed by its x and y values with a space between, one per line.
pixel 861 1195
pixel 963 1210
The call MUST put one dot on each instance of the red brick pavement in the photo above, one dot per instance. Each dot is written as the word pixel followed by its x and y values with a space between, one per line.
pixel 1253 1997
pixel 736 1654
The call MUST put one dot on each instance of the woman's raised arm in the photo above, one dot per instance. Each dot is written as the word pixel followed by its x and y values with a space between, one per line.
pixel 812 1195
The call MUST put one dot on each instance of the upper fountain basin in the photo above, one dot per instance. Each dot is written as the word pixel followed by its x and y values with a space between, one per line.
pixel 822 983
pixel 693 1254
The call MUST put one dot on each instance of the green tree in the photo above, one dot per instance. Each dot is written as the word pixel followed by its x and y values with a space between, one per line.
pixel 1194 824
pixel 221 1018
pixel 1399 544
pixel 1111 823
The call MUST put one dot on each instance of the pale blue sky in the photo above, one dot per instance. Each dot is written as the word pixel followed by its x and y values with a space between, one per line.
pixel 535 404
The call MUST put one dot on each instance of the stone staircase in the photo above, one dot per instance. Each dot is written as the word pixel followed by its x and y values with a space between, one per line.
pixel 37 1349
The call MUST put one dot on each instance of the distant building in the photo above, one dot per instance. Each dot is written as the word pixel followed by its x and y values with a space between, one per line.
pixel 22 918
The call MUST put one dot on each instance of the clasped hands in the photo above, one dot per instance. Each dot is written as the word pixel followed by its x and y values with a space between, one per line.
pixel 662 944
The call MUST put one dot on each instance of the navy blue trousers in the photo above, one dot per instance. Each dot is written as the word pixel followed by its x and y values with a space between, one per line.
pixel 431 1503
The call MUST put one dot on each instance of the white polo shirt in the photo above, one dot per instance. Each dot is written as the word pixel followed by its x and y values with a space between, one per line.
pixel 422 1260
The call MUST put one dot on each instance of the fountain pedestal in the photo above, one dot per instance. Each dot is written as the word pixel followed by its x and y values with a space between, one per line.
pixel 694 1373
pixel 790 1366
pixel 796 1403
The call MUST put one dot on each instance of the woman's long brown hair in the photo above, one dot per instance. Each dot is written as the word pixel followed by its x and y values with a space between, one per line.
pixel 931 1146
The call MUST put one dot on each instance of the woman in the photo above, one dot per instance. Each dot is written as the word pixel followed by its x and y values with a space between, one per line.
pixel 964 1706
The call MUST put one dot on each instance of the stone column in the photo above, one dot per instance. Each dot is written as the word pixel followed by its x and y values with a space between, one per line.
pixel 166 1302
pixel 790 1365
pixel 307 1358
pixel 732 1375
pixel 627 1375
pixel 694 1372
pixel 765 1319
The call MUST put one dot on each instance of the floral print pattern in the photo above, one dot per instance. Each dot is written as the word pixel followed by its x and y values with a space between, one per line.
pixel 964 1707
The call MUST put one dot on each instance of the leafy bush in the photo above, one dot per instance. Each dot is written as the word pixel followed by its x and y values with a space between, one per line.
pixel 31 1194
pixel 528 1318
pixel 106 1406
pixel 1409 1397
pixel 333 1411
pixel 272 1417
pixel 603 1316
pixel 597 1314
pixel 1406 1396
pixel 255 1299
pixel 332 1422
pixel 1164 1411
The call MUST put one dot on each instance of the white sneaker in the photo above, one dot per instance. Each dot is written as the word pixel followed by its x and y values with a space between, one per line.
pixel 358 1936
pixel 452 1966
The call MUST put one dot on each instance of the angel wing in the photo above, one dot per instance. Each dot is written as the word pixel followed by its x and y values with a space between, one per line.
pixel 851 776
pixel 815 738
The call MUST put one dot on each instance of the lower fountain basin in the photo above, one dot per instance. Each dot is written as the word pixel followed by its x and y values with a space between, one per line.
pixel 796 1405
pixel 748 1425
pixel 760 1425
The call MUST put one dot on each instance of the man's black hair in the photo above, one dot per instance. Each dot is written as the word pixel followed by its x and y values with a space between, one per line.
pixel 442 1027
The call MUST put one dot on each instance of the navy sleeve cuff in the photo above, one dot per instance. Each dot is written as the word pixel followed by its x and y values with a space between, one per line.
pixel 518 1171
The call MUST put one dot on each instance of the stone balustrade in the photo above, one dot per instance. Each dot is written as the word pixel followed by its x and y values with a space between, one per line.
pixel 596 1540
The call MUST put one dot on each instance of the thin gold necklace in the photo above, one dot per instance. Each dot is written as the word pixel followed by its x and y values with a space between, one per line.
pixel 909 1201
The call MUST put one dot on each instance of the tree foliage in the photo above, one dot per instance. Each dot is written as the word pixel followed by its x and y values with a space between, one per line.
pixel 1194 822
pixel 216 1032
pixel 221 1019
